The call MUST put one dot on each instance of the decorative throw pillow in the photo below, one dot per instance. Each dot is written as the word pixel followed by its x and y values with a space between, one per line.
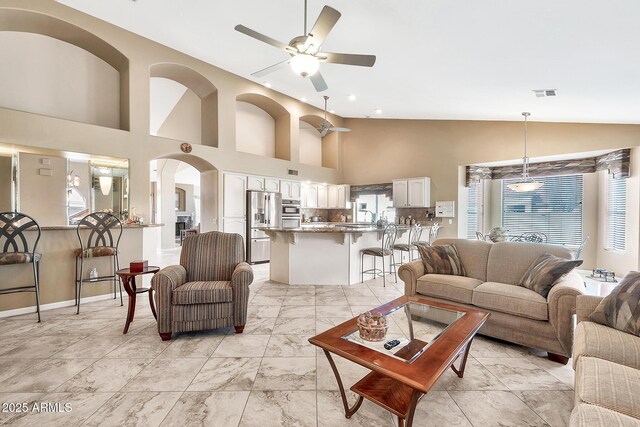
pixel 621 309
pixel 545 271
pixel 441 259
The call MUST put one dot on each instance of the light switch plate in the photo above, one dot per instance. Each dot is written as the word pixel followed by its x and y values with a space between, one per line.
pixel 45 161
pixel 45 172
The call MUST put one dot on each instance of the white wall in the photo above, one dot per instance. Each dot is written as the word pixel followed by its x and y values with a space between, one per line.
pixel 310 145
pixel 42 75
pixel 40 196
pixel 255 130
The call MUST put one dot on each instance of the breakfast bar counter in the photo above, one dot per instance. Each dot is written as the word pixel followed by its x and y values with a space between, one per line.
pixel 327 255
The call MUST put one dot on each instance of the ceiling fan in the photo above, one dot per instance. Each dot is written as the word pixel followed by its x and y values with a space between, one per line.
pixel 305 50
pixel 326 127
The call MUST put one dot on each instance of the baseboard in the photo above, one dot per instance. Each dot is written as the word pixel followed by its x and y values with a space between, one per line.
pixel 53 305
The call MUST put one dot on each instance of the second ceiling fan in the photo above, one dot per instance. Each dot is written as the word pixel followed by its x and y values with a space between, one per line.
pixel 305 50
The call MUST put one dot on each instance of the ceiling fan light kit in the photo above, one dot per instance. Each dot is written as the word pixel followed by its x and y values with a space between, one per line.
pixel 527 183
pixel 305 50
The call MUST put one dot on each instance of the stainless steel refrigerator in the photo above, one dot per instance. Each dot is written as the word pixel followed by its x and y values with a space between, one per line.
pixel 264 209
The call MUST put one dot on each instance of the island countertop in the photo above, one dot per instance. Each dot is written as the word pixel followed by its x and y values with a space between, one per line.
pixel 330 229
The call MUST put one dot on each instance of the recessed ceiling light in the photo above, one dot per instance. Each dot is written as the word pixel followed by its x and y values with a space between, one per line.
pixel 332 111
pixel 267 84
pixel 378 111
pixel 543 93
pixel 303 99
pixel 352 97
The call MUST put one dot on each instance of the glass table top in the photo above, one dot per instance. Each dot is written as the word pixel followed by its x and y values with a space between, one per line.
pixel 416 325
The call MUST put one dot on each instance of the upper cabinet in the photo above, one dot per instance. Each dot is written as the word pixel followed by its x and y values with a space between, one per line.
pixel 272 184
pixel 309 196
pixel 323 196
pixel 235 186
pixel 291 189
pixel 260 183
pixel 339 196
pixel 412 193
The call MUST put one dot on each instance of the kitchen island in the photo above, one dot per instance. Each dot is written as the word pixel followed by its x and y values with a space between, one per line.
pixel 328 255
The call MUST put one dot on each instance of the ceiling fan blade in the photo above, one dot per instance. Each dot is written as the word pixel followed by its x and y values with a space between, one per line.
pixel 323 132
pixel 258 36
pixel 270 69
pixel 318 82
pixel 348 59
pixel 325 22
pixel 340 129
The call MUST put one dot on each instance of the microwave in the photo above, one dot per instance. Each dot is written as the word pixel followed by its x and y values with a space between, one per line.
pixel 291 208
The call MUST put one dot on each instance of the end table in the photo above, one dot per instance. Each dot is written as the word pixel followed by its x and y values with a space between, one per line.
pixel 129 281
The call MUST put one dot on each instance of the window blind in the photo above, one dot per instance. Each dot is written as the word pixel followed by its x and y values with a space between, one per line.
pixel 475 209
pixel 616 213
pixel 555 209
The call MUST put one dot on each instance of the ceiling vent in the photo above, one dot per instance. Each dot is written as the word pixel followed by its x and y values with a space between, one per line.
pixel 543 93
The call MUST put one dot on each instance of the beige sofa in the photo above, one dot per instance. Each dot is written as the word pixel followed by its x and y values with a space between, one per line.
pixel 493 271
pixel 607 364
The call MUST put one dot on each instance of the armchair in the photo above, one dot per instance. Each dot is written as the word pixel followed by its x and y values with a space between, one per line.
pixel 208 290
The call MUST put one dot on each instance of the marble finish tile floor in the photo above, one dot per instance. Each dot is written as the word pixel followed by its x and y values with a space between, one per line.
pixel 268 376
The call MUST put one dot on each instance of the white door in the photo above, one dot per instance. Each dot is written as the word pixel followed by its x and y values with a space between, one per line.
pixel 255 183
pixel 399 194
pixel 272 184
pixel 323 196
pixel 234 195
pixel 310 196
pixel 285 189
pixel 416 193
pixel 296 190
pixel 235 225
pixel 333 196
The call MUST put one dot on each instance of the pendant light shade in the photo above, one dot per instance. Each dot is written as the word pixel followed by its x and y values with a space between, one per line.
pixel 105 184
pixel 527 183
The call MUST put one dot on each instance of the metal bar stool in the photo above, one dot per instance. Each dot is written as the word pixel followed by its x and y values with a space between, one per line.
pixel 385 249
pixel 100 242
pixel 433 234
pixel 414 235
pixel 15 250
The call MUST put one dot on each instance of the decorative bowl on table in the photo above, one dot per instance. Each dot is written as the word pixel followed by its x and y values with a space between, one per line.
pixel 372 326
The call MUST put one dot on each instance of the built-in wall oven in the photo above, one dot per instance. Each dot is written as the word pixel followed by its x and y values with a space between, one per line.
pixel 291 216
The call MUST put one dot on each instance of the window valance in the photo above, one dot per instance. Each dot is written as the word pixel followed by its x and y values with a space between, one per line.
pixel 616 162
pixel 369 189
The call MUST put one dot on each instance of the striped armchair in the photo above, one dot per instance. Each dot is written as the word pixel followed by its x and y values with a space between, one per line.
pixel 208 290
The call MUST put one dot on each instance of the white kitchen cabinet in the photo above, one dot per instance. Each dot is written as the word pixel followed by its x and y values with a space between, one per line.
pixel 323 196
pixel 255 183
pixel 290 189
pixel 412 193
pixel 235 225
pixel 338 196
pixel 234 195
pixel 310 196
pixel 272 184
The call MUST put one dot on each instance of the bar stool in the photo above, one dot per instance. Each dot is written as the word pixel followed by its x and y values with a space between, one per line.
pixel 385 249
pixel 414 235
pixel 15 250
pixel 433 234
pixel 100 242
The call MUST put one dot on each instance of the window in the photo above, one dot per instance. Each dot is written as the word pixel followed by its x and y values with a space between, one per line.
pixel 555 209
pixel 475 209
pixel 373 206
pixel 616 213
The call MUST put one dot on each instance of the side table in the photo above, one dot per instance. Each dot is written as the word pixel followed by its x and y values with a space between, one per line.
pixel 129 281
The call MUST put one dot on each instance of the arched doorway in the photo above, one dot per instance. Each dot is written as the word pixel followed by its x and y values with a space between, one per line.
pixel 184 193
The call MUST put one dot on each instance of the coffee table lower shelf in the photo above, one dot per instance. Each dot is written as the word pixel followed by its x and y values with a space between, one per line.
pixel 392 395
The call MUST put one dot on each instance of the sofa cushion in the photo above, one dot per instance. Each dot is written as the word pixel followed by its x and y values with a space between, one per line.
pixel 592 339
pixel 453 288
pixel 545 271
pixel 621 308
pixel 511 299
pixel 608 385
pixel 473 255
pixel 442 259
pixel 508 261
pixel 202 293
pixel 584 415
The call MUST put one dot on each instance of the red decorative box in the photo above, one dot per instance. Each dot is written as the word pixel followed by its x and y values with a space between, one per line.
pixel 138 266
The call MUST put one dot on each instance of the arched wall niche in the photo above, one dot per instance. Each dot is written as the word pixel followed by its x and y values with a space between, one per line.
pixel 328 153
pixel 281 118
pixel 24 21
pixel 197 108
pixel 165 193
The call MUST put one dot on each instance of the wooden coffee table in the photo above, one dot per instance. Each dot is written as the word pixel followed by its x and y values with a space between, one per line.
pixel 433 336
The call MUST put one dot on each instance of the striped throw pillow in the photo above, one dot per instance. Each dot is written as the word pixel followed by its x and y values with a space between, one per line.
pixel 545 272
pixel 441 259
pixel 621 309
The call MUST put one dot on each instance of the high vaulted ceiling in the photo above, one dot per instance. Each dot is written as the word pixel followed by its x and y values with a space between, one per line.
pixel 437 59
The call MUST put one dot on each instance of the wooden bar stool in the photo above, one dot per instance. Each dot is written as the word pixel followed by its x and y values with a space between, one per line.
pixel 16 250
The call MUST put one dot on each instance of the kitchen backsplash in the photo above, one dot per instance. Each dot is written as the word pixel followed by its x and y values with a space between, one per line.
pixel 328 215
pixel 425 216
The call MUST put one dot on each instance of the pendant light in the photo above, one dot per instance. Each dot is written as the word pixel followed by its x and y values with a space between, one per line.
pixel 526 183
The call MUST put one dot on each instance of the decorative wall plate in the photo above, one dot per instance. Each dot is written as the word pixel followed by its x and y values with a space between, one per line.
pixel 185 147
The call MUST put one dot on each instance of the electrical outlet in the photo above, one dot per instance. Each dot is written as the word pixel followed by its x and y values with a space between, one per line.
pixel 450 221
